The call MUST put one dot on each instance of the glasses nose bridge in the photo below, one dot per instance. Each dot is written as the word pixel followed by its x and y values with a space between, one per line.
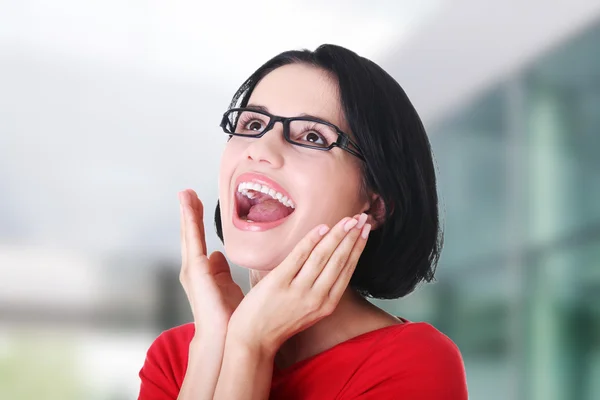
pixel 273 120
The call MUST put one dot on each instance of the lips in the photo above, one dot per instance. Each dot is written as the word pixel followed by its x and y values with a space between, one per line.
pixel 239 202
pixel 260 179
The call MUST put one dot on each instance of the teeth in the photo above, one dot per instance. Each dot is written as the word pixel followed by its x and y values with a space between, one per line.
pixel 244 188
pixel 248 194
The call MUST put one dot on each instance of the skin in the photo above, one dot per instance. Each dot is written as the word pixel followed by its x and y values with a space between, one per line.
pixel 324 185
pixel 248 335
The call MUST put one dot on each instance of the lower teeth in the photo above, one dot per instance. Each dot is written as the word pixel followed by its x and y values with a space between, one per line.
pixel 249 220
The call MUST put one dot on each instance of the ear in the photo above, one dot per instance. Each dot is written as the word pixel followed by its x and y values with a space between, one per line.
pixel 375 211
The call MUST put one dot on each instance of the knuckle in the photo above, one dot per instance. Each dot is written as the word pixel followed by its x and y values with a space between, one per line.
pixel 313 239
pixel 328 308
pixel 319 257
pixel 337 261
pixel 196 259
pixel 313 304
pixel 299 257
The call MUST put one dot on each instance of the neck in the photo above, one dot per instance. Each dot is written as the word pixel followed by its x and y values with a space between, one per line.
pixel 353 316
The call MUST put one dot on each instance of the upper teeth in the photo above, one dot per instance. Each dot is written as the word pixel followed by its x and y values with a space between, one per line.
pixel 244 188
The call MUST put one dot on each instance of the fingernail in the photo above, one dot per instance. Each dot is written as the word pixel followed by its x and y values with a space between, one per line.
pixel 365 231
pixel 323 230
pixel 361 220
pixel 350 224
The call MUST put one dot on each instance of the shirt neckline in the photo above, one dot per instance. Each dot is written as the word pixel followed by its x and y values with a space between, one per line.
pixel 285 371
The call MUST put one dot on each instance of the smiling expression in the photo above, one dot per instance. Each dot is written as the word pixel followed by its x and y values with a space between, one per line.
pixel 322 186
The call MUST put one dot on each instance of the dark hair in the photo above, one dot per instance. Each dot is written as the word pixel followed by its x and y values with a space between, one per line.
pixel 406 247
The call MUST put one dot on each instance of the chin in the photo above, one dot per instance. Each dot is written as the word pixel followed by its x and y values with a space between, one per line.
pixel 251 257
pixel 261 251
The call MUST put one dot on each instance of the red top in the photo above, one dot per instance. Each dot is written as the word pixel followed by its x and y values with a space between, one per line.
pixel 411 361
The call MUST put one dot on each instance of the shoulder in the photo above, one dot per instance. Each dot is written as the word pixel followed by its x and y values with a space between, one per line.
pixel 417 346
pixel 166 362
pixel 174 340
pixel 414 359
pixel 421 343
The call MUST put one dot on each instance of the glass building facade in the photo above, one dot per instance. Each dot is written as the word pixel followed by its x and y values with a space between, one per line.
pixel 519 279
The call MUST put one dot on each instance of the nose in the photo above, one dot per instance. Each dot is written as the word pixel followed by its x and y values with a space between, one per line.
pixel 268 148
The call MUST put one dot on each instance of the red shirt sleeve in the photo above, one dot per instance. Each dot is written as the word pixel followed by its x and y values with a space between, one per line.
pixel 165 365
pixel 420 364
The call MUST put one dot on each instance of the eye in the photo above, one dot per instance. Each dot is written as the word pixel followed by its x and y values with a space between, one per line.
pixel 254 125
pixel 311 133
pixel 315 137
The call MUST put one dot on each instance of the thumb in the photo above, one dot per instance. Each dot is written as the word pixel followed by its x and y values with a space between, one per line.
pixel 218 264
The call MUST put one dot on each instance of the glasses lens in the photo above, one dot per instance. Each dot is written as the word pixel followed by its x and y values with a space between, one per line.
pixel 313 134
pixel 246 122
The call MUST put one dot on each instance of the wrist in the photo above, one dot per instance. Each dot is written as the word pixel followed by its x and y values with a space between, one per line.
pixel 249 344
pixel 207 345
pixel 251 353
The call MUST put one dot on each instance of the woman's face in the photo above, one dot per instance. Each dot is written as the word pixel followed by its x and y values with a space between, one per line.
pixel 324 186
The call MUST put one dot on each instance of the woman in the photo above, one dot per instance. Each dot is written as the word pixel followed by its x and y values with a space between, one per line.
pixel 314 138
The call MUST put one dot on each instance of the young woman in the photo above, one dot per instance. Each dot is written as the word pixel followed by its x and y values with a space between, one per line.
pixel 327 195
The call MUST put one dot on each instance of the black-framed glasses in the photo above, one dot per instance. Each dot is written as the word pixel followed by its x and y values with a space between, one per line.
pixel 306 132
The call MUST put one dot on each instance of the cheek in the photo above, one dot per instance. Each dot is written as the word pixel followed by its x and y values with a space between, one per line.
pixel 331 190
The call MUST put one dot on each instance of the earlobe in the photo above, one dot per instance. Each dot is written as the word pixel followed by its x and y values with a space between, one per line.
pixel 376 212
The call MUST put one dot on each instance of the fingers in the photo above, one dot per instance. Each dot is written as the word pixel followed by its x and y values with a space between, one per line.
pixel 296 259
pixel 193 225
pixel 330 271
pixel 219 265
pixel 182 234
pixel 199 207
pixel 319 257
pixel 343 278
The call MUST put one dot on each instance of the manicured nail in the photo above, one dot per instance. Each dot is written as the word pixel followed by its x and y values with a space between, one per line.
pixel 361 220
pixel 323 230
pixel 350 224
pixel 365 231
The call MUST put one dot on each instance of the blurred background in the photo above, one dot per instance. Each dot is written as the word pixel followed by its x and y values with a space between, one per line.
pixel 109 108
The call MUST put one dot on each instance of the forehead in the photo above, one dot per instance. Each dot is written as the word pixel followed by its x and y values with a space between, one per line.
pixel 296 89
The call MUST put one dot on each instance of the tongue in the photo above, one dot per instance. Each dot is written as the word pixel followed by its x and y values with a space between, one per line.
pixel 268 210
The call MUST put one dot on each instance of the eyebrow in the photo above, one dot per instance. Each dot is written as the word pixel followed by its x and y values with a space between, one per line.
pixel 265 109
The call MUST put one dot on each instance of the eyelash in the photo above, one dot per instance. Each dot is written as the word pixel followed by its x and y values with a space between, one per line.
pixel 246 119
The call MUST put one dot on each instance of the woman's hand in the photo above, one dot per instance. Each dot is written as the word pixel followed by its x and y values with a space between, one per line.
pixel 213 296
pixel 207 281
pixel 303 289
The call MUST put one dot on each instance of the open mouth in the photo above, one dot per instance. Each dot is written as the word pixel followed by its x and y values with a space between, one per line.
pixel 261 204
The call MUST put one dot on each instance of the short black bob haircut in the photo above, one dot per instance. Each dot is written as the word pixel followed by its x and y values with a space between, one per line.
pixel 405 249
